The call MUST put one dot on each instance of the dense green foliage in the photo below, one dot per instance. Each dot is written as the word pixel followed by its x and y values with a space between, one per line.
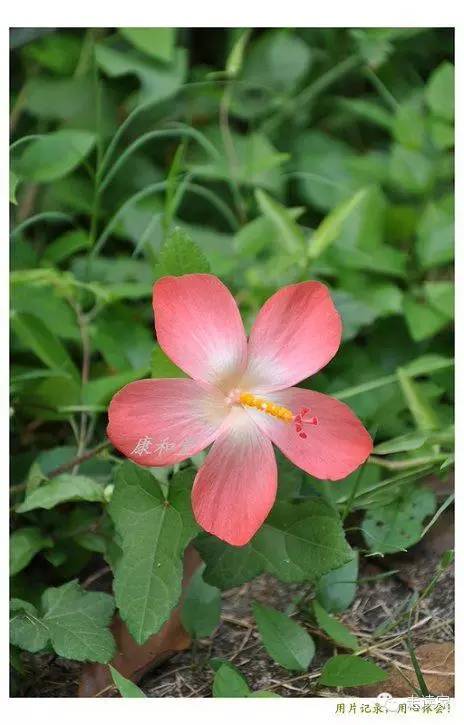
pixel 266 157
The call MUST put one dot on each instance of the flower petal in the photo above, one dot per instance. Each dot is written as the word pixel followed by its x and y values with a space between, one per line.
pixel 332 449
pixel 235 488
pixel 161 422
pixel 296 333
pixel 199 327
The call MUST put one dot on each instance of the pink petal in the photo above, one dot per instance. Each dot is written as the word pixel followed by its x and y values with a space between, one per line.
pixel 333 447
pixel 199 327
pixel 296 333
pixel 161 422
pixel 236 487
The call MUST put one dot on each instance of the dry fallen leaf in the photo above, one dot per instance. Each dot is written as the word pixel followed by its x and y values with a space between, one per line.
pixel 436 661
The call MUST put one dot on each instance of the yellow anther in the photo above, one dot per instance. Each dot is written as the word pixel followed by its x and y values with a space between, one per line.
pixel 266 406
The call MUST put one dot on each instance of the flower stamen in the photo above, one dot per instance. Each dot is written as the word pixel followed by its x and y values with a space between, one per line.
pixel 266 406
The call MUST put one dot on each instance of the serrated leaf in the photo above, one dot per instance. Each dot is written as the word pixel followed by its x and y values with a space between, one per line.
pixel 422 319
pixel 201 610
pixel 153 531
pixel 54 155
pixel 78 622
pixel 60 489
pixel 26 628
pixel 126 687
pixel 337 589
pixel 180 255
pixel 398 525
pixel 297 542
pixel 25 543
pixel 285 640
pixel 334 629
pixel 350 671
pixel 73 620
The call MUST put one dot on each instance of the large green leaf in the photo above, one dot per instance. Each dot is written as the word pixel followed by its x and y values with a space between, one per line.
pixel 337 589
pixel 285 640
pixel 60 489
pixel 201 609
pixel 54 155
pixel 75 621
pixel 350 671
pixel 180 255
pixel 398 525
pixel 158 43
pixel 154 530
pixel 25 543
pixel 297 542
pixel 439 92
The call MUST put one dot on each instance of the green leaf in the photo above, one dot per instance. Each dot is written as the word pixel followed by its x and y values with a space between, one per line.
pixel 398 525
pixel 424 415
pixel 256 161
pixel 158 81
pixel 154 530
pixel 73 620
pixel 36 336
pixel 55 155
pixel 435 233
pixel 441 296
pixel 285 640
pixel 297 542
pixel 158 43
pixel 291 236
pixel 409 125
pixel 163 367
pixel 439 92
pixel 336 590
pixel 25 543
pixel 410 170
pixel 334 629
pixel 180 255
pixel 78 621
pixel 65 246
pixel 14 181
pixel 350 671
pixel 201 610
pixel 422 319
pixel 60 489
pixel 229 682
pixel 101 390
pixel 260 233
pixel 26 628
pixel 125 686
pixel 406 442
pixel 329 229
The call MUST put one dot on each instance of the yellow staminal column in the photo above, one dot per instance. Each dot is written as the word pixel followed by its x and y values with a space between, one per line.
pixel 266 406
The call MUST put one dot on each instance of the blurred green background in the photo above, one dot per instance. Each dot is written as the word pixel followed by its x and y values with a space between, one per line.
pixel 266 156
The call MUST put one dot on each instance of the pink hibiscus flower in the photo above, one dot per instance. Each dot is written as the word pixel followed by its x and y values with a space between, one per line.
pixel 240 398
